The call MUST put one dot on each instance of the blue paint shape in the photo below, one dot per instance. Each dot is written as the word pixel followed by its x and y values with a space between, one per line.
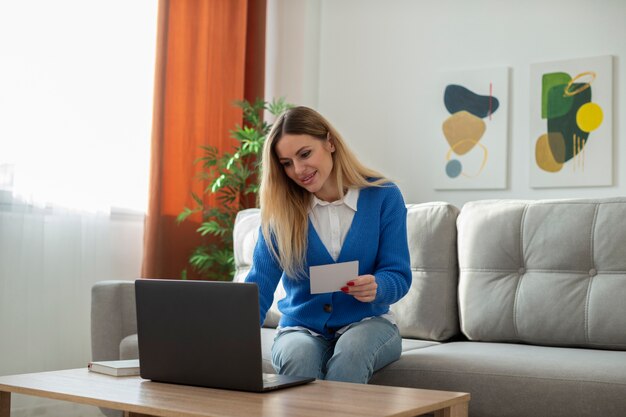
pixel 454 168
pixel 458 98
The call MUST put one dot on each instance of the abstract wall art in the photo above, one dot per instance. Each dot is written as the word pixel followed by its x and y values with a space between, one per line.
pixel 471 143
pixel 571 123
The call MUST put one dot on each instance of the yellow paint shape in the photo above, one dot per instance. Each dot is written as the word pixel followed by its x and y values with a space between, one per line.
pixel 583 87
pixel 544 156
pixel 589 117
pixel 462 131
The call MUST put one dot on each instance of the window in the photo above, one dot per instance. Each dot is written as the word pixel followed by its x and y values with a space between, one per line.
pixel 76 88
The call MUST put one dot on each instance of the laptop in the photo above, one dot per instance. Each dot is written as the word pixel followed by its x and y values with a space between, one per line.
pixel 203 333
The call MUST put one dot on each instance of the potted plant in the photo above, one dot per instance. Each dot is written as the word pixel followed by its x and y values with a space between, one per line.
pixel 233 179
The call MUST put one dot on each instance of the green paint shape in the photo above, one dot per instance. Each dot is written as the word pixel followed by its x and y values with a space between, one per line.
pixel 566 125
pixel 548 81
pixel 558 103
pixel 557 146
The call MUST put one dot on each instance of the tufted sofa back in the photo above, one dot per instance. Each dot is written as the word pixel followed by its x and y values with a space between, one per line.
pixel 549 272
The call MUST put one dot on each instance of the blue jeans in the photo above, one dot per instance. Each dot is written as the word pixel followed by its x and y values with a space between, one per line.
pixel 354 356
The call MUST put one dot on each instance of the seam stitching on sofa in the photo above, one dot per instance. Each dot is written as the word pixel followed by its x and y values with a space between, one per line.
pixel 620 200
pixel 555 271
pixel 583 202
pixel 551 271
pixel 591 238
pixel 426 269
pixel 520 276
pixel 551 343
pixel 617 347
pixel 435 204
pixel 503 375
pixel 453 253
pixel 593 266
pixel 517 289
pixel 454 274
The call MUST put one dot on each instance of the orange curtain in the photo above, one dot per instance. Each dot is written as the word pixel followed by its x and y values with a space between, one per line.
pixel 210 53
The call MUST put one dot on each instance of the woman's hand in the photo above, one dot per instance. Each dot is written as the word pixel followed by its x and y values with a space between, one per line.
pixel 363 288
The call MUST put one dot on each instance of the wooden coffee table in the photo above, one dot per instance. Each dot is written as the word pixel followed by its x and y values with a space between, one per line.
pixel 137 397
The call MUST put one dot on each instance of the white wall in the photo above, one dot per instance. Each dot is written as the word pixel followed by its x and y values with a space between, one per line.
pixel 379 60
pixel 292 51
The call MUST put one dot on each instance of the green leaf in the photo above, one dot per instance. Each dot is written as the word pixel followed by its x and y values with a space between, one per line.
pixel 211 227
pixel 224 256
pixel 226 199
pixel 201 262
pixel 251 189
pixel 217 184
pixel 209 149
pixel 197 199
pixel 278 106
pixel 185 213
pixel 233 160
pixel 246 133
pixel 207 162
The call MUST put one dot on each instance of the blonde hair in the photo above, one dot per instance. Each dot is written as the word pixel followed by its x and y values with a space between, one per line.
pixel 284 204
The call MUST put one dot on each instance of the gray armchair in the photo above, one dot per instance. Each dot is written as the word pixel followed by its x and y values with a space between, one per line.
pixel 113 324
pixel 113 320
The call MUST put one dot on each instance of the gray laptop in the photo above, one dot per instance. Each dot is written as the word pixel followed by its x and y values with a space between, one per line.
pixel 203 333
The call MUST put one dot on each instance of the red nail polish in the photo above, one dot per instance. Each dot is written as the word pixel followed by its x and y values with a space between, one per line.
pixel 351 283
pixel 345 289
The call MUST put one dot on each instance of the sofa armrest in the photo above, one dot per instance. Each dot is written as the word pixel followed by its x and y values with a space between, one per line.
pixel 113 317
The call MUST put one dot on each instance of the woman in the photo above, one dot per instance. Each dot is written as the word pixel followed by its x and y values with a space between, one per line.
pixel 320 205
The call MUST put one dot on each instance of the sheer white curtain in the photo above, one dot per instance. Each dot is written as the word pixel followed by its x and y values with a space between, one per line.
pixel 76 80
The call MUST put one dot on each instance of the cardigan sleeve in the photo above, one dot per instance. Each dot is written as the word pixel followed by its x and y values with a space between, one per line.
pixel 393 265
pixel 266 273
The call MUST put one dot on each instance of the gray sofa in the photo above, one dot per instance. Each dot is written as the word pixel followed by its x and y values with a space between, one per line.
pixel 520 303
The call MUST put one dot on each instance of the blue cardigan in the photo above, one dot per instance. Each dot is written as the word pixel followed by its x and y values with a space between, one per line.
pixel 377 238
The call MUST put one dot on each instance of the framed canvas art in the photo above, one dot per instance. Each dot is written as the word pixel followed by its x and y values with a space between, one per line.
pixel 571 123
pixel 470 149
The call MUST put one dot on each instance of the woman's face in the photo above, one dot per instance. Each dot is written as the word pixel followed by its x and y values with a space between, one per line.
pixel 308 162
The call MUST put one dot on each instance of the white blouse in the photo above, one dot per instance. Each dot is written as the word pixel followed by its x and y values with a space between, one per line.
pixel 332 220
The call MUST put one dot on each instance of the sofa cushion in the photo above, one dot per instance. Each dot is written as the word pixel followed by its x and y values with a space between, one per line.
pixel 429 310
pixel 511 380
pixel 549 272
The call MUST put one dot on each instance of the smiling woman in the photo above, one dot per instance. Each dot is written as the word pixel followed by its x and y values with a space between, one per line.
pixel 320 207
pixel 76 104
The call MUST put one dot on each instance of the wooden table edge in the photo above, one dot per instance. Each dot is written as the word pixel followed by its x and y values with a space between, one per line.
pixel 453 407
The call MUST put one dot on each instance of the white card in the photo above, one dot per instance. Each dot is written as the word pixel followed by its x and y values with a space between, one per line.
pixel 332 277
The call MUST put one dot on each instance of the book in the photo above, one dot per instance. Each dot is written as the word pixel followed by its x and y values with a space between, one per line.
pixel 115 368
